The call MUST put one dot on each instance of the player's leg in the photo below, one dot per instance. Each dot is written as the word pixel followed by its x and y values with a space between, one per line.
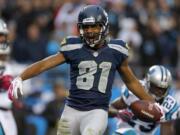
pixel 1 130
pixel 69 123
pixel 176 128
pixel 94 122
pixel 8 124
pixel 167 128
pixel 125 129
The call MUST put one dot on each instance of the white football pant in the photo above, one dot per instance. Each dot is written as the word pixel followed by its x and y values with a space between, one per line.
pixel 75 122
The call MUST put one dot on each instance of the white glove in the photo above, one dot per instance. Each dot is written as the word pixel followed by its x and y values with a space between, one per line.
pixel 15 90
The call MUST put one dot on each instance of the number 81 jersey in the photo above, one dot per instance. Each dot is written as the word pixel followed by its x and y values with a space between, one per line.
pixel 92 72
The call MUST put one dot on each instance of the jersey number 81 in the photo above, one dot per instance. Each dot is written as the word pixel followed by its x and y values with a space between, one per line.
pixel 87 69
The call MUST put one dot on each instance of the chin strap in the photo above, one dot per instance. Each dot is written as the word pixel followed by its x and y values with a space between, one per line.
pixel 95 42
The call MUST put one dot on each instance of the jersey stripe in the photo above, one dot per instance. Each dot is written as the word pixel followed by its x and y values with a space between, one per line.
pixel 174 109
pixel 119 48
pixel 126 93
pixel 70 47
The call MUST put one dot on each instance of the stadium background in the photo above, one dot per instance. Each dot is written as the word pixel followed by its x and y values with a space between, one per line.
pixel 151 28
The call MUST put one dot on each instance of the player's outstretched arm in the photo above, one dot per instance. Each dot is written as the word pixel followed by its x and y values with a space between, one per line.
pixel 132 83
pixel 42 66
pixel 15 90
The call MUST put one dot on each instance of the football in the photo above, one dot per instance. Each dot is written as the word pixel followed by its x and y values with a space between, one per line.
pixel 146 111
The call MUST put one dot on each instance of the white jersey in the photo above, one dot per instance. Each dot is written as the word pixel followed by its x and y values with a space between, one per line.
pixel 12 69
pixel 169 105
pixel 7 122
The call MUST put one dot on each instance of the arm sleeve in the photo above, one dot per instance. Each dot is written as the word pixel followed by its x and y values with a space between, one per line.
pixel 128 96
pixel 69 47
pixel 171 108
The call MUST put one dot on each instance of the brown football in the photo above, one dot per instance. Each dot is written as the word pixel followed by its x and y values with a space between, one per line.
pixel 146 111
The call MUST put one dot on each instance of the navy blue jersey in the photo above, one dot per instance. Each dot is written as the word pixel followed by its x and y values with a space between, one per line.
pixel 92 72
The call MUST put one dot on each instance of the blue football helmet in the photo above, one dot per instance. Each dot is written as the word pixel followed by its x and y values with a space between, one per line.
pixel 93 15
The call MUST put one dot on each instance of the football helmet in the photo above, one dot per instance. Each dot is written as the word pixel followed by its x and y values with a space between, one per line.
pixel 93 16
pixel 4 45
pixel 158 80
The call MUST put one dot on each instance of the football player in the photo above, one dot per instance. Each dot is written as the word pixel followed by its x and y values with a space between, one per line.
pixel 158 83
pixel 7 122
pixel 93 60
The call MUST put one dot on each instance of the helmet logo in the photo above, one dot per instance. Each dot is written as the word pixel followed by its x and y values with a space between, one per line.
pixel 99 17
pixel 151 71
pixel 89 20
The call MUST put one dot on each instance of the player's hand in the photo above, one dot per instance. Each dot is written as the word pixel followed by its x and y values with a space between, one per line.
pixel 125 115
pixel 5 82
pixel 15 90
pixel 162 111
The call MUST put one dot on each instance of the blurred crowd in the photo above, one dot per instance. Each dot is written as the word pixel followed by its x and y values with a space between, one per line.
pixel 150 27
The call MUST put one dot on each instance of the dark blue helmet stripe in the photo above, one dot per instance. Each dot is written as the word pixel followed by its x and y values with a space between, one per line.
pixel 166 75
pixel 161 73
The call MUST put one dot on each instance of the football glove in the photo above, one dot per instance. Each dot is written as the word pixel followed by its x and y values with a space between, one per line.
pixel 5 82
pixel 15 90
pixel 125 115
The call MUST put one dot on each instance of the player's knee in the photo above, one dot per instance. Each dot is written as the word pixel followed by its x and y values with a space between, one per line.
pixel 1 131
pixel 92 131
pixel 63 127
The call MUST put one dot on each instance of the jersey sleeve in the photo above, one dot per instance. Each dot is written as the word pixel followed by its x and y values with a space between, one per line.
pixel 121 50
pixel 171 108
pixel 68 46
pixel 128 96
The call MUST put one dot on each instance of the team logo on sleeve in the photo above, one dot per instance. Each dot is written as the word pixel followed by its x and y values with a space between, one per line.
pixel 63 42
pixel 127 46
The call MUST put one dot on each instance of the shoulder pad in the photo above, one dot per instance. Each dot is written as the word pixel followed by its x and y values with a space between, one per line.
pixel 119 45
pixel 71 40
pixel 117 41
pixel 71 43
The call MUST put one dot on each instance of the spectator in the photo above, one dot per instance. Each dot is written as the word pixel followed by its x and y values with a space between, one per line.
pixel 32 48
